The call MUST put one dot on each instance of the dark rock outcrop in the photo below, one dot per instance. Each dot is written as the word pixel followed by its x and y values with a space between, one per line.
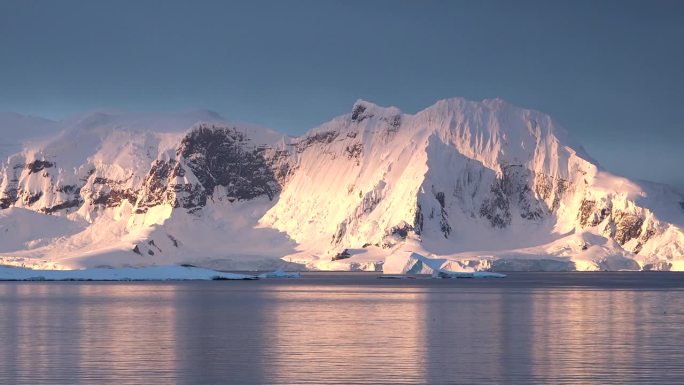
pixel 38 165
pixel 223 156
pixel 323 137
pixel 344 254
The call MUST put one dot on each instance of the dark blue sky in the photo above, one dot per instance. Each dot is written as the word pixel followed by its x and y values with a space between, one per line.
pixel 609 71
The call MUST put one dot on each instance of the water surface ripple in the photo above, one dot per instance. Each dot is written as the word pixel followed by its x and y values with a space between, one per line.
pixel 566 328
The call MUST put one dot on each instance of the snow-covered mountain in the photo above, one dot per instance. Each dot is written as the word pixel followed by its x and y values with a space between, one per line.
pixel 461 185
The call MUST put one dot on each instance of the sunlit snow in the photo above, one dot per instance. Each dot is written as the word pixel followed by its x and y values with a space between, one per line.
pixel 460 186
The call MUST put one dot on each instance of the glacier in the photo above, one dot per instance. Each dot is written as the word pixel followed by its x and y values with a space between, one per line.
pixel 461 186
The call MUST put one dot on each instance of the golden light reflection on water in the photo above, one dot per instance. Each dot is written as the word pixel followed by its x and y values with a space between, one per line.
pixel 112 331
pixel 32 322
pixel 467 340
pixel 345 335
pixel 366 332
pixel 593 336
pixel 134 333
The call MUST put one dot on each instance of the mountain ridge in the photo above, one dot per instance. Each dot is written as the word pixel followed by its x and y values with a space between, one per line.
pixel 481 185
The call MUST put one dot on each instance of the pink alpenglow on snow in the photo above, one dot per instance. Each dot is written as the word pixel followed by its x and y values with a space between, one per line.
pixel 461 186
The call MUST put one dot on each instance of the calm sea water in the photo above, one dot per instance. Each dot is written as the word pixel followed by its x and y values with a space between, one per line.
pixel 579 328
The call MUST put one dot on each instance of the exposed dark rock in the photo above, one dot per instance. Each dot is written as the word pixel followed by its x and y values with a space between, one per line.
pixel 151 243
pixel 402 230
pixel 549 189
pixel 444 224
pixel 9 198
pixel 357 113
pixel 496 207
pixel 193 195
pixel 623 226
pixel 395 234
pixel 173 240
pixel 136 250
pixel 443 221
pixel 225 157
pixel 156 189
pixel 638 248
pixel 591 215
pixel 69 189
pixel 647 235
pixel 418 220
pixel 101 180
pixel 114 198
pixel 369 202
pixel 512 189
pixel 627 226
pixel 394 122
pixel 38 165
pixel 159 190
pixel 440 198
pixel 323 137
pixel 586 212
pixel 354 151
pixel 561 186
pixel 75 202
pixel 344 254
pixel 11 192
pixel 339 234
pixel 88 174
pixel 281 165
pixel 515 183
pixel 32 198
pixel 658 266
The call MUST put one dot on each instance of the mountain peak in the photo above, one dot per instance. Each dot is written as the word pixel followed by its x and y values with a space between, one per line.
pixel 458 180
pixel 364 109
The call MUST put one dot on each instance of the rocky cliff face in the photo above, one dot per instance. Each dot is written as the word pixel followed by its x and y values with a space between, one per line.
pixel 207 159
pixel 225 157
pixel 467 181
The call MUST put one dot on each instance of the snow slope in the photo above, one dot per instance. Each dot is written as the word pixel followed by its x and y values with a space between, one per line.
pixel 468 181
pixel 459 186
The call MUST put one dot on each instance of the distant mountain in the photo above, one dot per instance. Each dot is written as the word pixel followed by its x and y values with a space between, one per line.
pixel 461 185
pixel 17 129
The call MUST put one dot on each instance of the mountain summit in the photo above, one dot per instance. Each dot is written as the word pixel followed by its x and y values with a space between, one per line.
pixel 460 185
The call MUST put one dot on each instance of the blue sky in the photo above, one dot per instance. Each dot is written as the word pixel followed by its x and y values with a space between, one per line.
pixel 609 71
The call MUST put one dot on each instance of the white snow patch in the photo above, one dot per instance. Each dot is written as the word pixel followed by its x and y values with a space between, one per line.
pixel 152 273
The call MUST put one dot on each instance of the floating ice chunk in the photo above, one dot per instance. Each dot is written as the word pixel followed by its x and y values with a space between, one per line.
pixel 280 274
